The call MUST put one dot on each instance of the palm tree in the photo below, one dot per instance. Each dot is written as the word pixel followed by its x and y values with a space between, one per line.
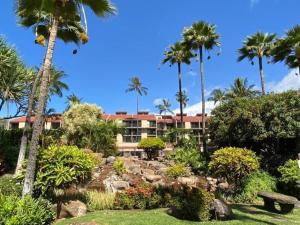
pixel 164 107
pixel 287 49
pixel 72 100
pixel 217 95
pixel 258 45
pixel 57 86
pixel 52 19
pixel 136 86
pixel 182 98
pixel 240 89
pixel 199 37
pixel 178 54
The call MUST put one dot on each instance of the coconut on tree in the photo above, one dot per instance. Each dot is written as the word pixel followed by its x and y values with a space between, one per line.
pixel 178 54
pixel 52 19
pixel 201 37
pixel 287 49
pixel 257 46
pixel 136 86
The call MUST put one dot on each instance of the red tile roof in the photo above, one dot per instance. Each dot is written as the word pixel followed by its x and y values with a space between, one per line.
pixel 128 117
pixel 52 119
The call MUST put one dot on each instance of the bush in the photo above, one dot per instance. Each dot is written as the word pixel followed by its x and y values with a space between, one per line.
pixel 61 166
pixel 290 172
pixel 119 166
pixel 100 200
pixel 25 211
pixel 233 163
pixel 177 170
pixel 194 204
pixel 9 186
pixel 151 146
pixel 255 182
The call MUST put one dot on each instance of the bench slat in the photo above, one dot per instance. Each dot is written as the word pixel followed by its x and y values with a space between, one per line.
pixel 277 197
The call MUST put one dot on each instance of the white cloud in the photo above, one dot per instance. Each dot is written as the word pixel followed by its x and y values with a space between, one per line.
pixel 289 82
pixel 197 108
pixel 157 101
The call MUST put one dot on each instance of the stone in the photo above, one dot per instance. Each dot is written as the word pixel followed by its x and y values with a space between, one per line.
pixel 220 210
pixel 223 186
pixel 120 185
pixel 110 160
pixel 163 170
pixel 297 205
pixel 134 168
pixel 148 171
pixel 108 183
pixel 190 181
pixel 152 178
pixel 72 209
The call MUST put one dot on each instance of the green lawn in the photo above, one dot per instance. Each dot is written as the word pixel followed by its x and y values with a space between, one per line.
pixel 243 215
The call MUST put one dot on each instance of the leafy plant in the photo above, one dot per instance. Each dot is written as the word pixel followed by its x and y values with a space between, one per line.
pixel 100 200
pixel 151 145
pixel 177 170
pixel 16 211
pixel 233 163
pixel 10 186
pixel 290 172
pixel 119 166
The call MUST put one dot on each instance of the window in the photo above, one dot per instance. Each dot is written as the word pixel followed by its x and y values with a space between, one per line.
pixel 151 132
pixel 179 124
pixel 195 124
pixel 14 125
pixel 55 125
pixel 152 123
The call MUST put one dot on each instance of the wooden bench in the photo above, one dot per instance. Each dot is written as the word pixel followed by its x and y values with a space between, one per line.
pixel 286 203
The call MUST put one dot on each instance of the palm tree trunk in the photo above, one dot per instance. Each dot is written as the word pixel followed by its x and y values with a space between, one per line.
pixel 180 94
pixel 262 76
pixel 137 104
pixel 37 126
pixel 26 129
pixel 203 98
pixel 2 104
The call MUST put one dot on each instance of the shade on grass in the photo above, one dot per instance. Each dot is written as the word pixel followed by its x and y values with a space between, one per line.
pixel 244 215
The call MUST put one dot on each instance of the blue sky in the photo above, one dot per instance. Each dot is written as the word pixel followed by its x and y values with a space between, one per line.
pixel 132 43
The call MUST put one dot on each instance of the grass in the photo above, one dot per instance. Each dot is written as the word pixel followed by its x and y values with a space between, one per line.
pixel 244 215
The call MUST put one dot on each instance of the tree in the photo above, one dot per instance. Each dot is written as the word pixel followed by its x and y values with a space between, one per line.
pixel 178 54
pixel 258 45
pixel 183 98
pixel 287 49
pixel 202 36
pixel 164 107
pixel 73 100
pixel 137 86
pixel 56 85
pixel 240 89
pixel 151 145
pixel 217 95
pixel 52 19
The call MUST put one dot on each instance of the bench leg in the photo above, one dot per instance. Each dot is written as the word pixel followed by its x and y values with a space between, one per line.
pixel 269 204
pixel 286 208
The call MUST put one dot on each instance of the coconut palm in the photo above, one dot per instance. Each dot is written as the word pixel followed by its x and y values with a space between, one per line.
pixel 57 86
pixel 182 98
pixel 287 49
pixel 72 100
pixel 217 95
pixel 202 36
pixel 257 46
pixel 53 19
pixel 164 107
pixel 137 86
pixel 178 54
pixel 240 89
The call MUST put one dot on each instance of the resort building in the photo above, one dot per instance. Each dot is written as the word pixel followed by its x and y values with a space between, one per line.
pixel 136 126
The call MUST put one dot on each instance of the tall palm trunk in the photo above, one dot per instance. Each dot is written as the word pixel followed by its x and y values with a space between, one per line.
pixel 180 94
pixel 26 129
pixel 2 104
pixel 262 76
pixel 137 104
pixel 37 126
pixel 203 98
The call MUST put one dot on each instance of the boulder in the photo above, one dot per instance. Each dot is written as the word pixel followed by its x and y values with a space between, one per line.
pixel 110 160
pixel 220 210
pixel 134 168
pixel 190 181
pixel 148 171
pixel 152 178
pixel 223 186
pixel 120 185
pixel 72 209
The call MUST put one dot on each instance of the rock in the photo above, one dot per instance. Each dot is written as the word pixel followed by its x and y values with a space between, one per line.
pixel 135 169
pixel 162 170
pixel 223 186
pixel 108 183
pixel 148 171
pixel 153 163
pixel 159 183
pixel 152 178
pixel 190 181
pixel 297 205
pixel 120 185
pixel 220 210
pixel 73 209
pixel 110 160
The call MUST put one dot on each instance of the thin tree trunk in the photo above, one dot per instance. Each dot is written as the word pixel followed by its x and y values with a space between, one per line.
pixel 26 129
pixel 37 126
pixel 262 76
pixel 137 104
pixel 203 98
pixel 2 104
pixel 180 94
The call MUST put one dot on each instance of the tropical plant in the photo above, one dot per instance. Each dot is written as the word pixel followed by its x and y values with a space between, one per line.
pixel 178 170
pixel 287 49
pixel 119 166
pixel 137 86
pixel 241 89
pixel 218 96
pixel 52 20
pixel 183 98
pixel 72 100
pixel 202 36
pixel 178 54
pixel 290 172
pixel 100 200
pixel 233 164
pixel 151 145
pixel 164 107
pixel 56 85
pixel 257 45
